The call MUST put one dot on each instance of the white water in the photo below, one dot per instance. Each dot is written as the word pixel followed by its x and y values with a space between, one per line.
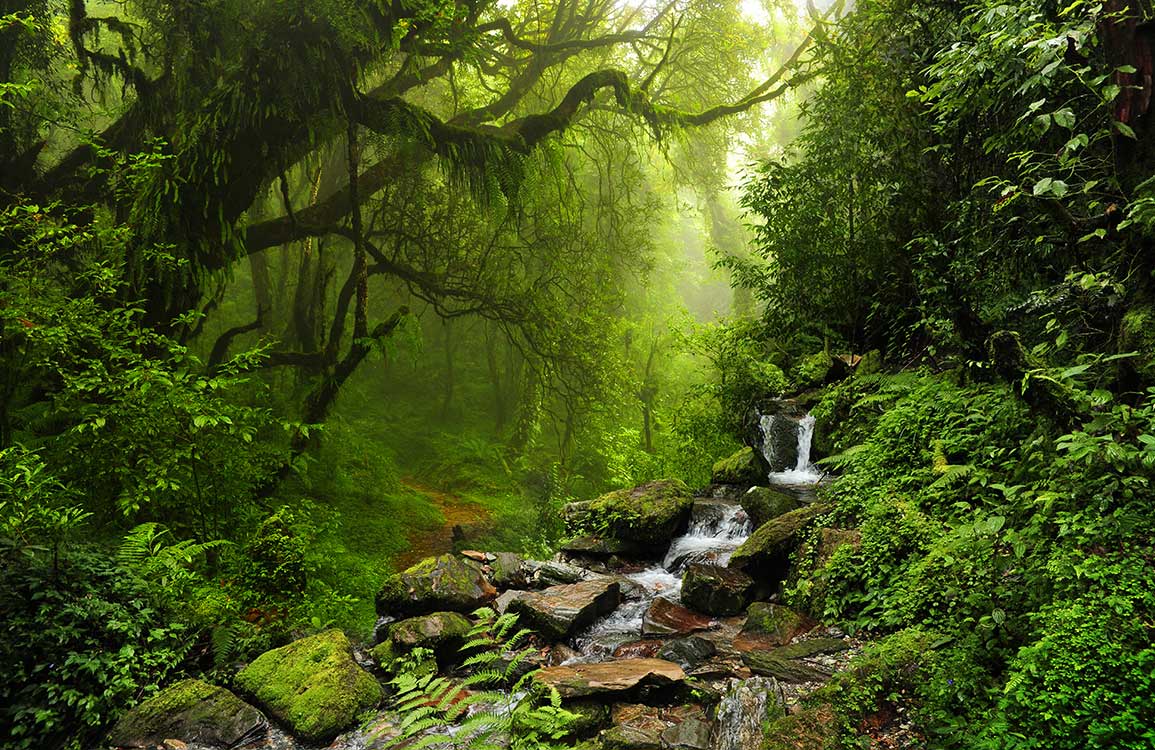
pixel 742 711
pixel 804 472
pixel 716 530
pixel 711 537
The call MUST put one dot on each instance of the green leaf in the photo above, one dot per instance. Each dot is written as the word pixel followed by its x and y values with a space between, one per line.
pixel 1125 129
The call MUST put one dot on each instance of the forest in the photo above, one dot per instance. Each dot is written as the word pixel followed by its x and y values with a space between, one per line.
pixel 592 374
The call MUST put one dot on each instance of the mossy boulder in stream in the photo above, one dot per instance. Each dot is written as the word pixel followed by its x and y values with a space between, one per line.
pixel 190 711
pixel 650 514
pixel 763 504
pixel 436 584
pixel 766 554
pixel 715 590
pixel 744 467
pixel 313 686
pixel 441 632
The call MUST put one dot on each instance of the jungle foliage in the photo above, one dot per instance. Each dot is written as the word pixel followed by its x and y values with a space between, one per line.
pixel 969 194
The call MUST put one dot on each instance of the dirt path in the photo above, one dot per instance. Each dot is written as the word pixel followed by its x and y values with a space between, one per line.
pixel 429 541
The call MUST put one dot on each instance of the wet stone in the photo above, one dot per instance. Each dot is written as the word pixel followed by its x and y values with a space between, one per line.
pixel 667 618
pixel 690 652
pixel 560 612
pixel 624 676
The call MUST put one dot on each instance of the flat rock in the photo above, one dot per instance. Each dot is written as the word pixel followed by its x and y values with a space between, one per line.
pixel 664 617
pixel 190 711
pixel 446 583
pixel 643 649
pixel 312 686
pixel 691 734
pixel 560 612
pixel 608 678
pixel 782 662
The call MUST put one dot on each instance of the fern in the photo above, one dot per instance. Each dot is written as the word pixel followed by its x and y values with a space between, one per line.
pixel 478 711
pixel 148 552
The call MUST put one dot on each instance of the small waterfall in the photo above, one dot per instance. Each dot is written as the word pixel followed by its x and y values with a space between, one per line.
pixel 745 705
pixel 795 468
pixel 716 530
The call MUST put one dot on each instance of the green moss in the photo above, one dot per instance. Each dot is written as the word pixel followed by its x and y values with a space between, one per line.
pixel 813 370
pixel 775 538
pixel 776 620
pixel 312 685
pixel 765 503
pixel 648 514
pixel 191 709
pixel 741 468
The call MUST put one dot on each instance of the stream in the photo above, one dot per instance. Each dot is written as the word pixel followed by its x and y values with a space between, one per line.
pixel 717 527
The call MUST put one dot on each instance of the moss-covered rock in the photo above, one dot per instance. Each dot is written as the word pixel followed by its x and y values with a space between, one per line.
pixel 505 570
pixel 715 590
pixel 744 467
pixel 780 624
pixel 812 728
pixel 441 632
pixel 813 370
pixel 869 364
pixel 766 554
pixel 313 685
pixel 429 631
pixel 445 583
pixel 650 514
pixel 190 711
pixel 765 503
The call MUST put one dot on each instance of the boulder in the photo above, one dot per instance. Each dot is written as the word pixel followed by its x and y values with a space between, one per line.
pixel 190 711
pixel 649 515
pixel 689 652
pixel 744 467
pixel 766 554
pixel 442 632
pixel 505 570
pixel 630 737
pixel 445 583
pixel 599 547
pixel 636 727
pixel 559 612
pixel 613 678
pixel 312 686
pixel 666 618
pixel 779 624
pixel 766 503
pixel 814 727
pixel 715 590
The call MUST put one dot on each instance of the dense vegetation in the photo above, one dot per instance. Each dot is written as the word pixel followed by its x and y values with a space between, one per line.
pixel 290 292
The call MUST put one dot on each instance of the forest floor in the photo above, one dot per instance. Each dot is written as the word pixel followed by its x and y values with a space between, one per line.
pixel 471 517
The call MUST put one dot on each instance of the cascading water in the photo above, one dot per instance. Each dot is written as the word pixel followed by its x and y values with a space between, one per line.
pixel 803 472
pixel 742 710
pixel 716 529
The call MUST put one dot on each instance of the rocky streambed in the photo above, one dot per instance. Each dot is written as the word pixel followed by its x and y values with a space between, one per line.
pixel 657 623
